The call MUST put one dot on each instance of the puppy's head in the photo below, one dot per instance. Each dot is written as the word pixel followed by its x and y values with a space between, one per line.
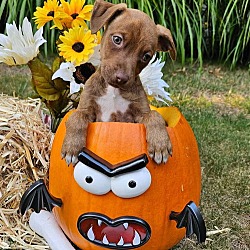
pixel 130 40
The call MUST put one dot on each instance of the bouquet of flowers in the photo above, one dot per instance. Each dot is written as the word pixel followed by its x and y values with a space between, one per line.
pixel 78 56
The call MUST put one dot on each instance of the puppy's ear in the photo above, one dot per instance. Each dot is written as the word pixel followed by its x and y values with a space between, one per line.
pixel 103 12
pixel 165 41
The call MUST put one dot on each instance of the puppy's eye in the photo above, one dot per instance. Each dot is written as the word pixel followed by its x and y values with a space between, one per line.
pixel 146 57
pixel 117 40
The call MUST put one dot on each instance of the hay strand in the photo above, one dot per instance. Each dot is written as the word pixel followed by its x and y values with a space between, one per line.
pixel 25 144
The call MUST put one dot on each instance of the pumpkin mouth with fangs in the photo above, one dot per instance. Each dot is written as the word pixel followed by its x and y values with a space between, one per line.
pixel 126 232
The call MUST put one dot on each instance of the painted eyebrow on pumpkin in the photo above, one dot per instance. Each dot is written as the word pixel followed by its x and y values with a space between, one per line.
pixel 94 161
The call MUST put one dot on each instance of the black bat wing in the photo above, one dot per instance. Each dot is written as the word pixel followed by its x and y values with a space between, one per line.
pixel 191 218
pixel 38 198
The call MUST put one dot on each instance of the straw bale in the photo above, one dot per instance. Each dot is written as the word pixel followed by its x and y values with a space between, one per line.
pixel 25 143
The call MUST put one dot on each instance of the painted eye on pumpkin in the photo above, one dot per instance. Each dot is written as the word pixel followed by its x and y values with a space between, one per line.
pixel 91 180
pixel 131 184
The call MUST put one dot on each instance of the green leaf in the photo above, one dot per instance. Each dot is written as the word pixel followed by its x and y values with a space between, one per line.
pixel 60 84
pixel 41 79
pixel 56 64
pixel 56 107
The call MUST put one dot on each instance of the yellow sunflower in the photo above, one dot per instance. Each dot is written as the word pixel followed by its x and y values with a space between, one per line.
pixel 77 45
pixel 50 11
pixel 75 13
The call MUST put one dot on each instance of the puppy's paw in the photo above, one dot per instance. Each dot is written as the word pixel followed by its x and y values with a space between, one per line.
pixel 159 146
pixel 70 151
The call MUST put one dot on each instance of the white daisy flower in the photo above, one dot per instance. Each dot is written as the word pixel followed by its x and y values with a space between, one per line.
pixel 66 72
pixel 20 45
pixel 151 78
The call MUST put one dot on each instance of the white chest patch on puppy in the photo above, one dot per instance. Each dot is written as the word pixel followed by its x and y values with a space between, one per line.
pixel 112 102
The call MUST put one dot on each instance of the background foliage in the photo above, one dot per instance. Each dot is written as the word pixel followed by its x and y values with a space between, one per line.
pixel 202 29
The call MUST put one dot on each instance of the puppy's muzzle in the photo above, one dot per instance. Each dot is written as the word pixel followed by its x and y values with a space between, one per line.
pixel 121 78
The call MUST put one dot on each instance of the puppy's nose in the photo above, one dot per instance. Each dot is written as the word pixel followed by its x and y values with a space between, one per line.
pixel 121 77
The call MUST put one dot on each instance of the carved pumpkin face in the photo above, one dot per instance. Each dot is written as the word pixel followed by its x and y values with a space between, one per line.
pixel 116 198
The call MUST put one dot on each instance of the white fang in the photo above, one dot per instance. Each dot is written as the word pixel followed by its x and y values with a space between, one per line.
pixel 90 234
pixel 121 242
pixel 137 239
pixel 105 240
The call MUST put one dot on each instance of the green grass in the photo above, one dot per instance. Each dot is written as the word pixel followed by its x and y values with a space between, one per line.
pixel 16 81
pixel 216 103
pixel 223 140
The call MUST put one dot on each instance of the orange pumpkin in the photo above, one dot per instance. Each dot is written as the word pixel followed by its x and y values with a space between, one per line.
pixel 172 186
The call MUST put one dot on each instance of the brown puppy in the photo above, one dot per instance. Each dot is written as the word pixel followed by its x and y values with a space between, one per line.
pixel 114 92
